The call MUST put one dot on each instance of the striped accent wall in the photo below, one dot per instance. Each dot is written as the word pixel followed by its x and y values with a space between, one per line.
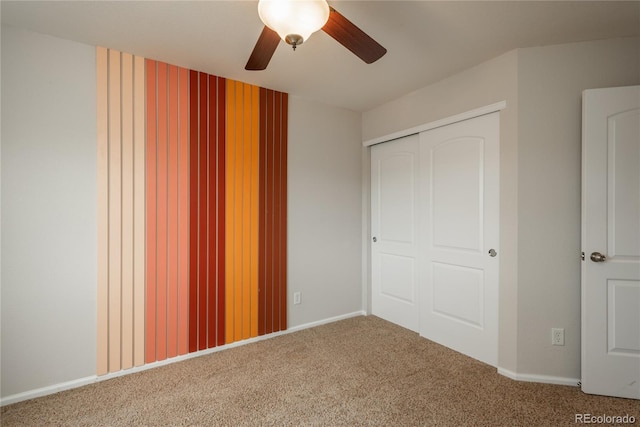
pixel 191 210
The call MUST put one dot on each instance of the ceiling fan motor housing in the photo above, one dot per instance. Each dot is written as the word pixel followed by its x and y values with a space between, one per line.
pixel 294 40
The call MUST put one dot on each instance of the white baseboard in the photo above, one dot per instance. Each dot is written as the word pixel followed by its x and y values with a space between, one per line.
pixel 44 391
pixel 532 378
pixel 324 321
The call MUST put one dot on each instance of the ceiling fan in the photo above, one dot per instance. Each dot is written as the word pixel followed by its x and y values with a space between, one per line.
pixel 295 20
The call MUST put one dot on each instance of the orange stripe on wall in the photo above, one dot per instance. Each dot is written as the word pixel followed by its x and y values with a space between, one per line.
pixel 115 207
pixel 202 211
pixel 268 233
pixel 255 205
pixel 242 210
pixel 172 215
pixel 127 211
pixel 183 212
pixel 167 211
pixel 121 198
pixel 102 109
pixel 151 213
pixel 162 210
pixel 139 197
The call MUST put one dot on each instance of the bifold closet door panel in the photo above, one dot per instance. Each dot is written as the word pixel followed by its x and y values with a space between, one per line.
pixel 395 231
pixel 460 206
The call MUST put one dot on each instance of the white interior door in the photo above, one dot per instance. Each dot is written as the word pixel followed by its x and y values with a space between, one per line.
pixel 611 242
pixel 459 170
pixel 394 191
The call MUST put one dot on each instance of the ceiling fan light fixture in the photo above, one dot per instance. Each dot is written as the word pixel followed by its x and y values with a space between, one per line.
pixel 294 20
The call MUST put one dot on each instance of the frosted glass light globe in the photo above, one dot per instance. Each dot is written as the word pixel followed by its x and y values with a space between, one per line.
pixel 297 19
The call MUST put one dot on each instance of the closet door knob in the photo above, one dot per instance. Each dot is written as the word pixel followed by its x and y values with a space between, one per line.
pixel 492 252
pixel 375 239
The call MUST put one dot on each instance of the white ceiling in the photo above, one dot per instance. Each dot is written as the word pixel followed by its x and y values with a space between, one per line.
pixel 426 40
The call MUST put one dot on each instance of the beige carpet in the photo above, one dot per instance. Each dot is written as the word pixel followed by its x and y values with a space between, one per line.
pixel 359 371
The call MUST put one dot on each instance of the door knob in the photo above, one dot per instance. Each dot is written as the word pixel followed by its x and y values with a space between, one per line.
pixel 375 240
pixel 597 257
pixel 492 252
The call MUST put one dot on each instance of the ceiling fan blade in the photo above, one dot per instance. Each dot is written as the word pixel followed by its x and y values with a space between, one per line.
pixel 263 50
pixel 353 38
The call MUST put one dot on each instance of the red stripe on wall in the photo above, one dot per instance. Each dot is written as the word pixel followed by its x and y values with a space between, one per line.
pixel 283 211
pixel 273 210
pixel 207 180
pixel 212 232
pixel 255 206
pixel 202 213
pixel 229 225
pixel 270 163
pixel 221 209
pixel 276 212
pixel 238 224
pixel 193 211
pixel 262 250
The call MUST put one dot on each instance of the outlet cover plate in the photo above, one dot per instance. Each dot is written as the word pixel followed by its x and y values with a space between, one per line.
pixel 557 336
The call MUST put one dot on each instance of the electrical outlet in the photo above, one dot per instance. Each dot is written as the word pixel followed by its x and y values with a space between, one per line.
pixel 296 297
pixel 557 336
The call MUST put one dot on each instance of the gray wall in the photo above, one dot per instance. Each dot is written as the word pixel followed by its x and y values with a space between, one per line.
pixel 324 211
pixel 539 182
pixel 550 85
pixel 49 212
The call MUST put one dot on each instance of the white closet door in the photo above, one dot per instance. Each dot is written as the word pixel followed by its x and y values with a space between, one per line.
pixel 394 193
pixel 460 181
